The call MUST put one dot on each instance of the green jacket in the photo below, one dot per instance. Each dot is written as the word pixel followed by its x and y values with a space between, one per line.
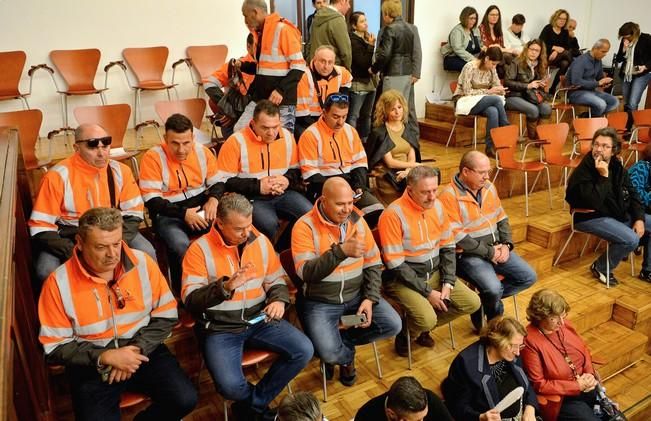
pixel 329 28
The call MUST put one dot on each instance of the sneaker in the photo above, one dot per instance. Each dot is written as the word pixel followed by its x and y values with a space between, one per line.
pixel 601 277
pixel 401 345
pixel 425 340
pixel 645 275
pixel 347 374
pixel 329 370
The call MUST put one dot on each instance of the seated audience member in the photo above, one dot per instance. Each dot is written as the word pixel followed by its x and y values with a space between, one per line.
pixel 575 50
pixel 557 44
pixel 586 73
pixel 526 79
pixel 480 91
pixel 329 28
pixel 640 176
pixel 635 55
pixel 218 85
pixel 556 359
pixel 230 277
pixel 87 179
pixel 514 36
pixel 392 146
pixel 464 42
pixel 405 400
pixel 329 148
pixel 490 29
pixel 483 233
pixel 485 372
pixel 601 183
pixel 337 259
pixel 418 251
pixel 178 180
pixel 320 79
pixel 261 163
pixel 300 406
pixel 362 92
pixel 109 335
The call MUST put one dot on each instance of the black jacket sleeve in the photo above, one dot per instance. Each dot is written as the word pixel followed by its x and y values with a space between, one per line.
pixel 318 268
pixel 384 50
pixel 408 277
pixel 207 296
pixel 249 67
pixel 456 391
pixel 52 242
pixel 160 206
pixel 248 187
pixel 290 81
pixel 511 77
pixel 295 180
pixel 215 94
pixel 155 333
pixel 130 226
pixel 358 178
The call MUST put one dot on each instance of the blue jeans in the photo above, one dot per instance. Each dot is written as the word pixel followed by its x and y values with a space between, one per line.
pixel 172 394
pixel 287 117
pixel 621 240
pixel 359 115
pixel 334 346
pixel 492 108
pixel 223 354
pixel 532 111
pixel 632 92
pixel 291 205
pixel 175 234
pixel 482 273
pixel 599 102
pixel 46 262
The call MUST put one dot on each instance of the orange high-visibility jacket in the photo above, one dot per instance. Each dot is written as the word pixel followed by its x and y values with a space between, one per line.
pixel 73 186
pixel 322 151
pixel 76 306
pixel 280 47
pixel 219 78
pixel 307 102
pixel 210 261
pixel 475 227
pixel 416 242
pixel 316 250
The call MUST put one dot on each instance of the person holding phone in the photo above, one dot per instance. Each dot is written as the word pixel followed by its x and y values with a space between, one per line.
pixel 337 259
pixel 230 276
pixel 586 73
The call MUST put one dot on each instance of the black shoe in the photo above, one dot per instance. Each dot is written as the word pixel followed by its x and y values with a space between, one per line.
pixel 348 374
pixel 476 319
pixel 645 275
pixel 584 114
pixel 329 371
pixel 490 152
pixel 241 411
pixel 601 277
pixel 401 345
pixel 425 340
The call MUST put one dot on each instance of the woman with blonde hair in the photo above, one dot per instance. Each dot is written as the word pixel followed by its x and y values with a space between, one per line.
pixel 557 43
pixel 488 370
pixel 392 146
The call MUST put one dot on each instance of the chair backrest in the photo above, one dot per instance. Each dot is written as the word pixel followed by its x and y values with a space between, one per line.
pixel 584 129
pixel 206 59
pixel 618 120
pixel 113 118
pixel 453 85
pixel 147 64
pixel 287 261
pixel 11 69
pixel 193 108
pixel 77 67
pixel 505 140
pixel 643 118
pixel 28 123
pixel 556 136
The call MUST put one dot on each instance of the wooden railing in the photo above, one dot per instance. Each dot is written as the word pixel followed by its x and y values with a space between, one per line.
pixel 24 390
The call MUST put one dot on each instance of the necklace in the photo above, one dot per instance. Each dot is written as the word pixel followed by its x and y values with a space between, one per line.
pixel 563 350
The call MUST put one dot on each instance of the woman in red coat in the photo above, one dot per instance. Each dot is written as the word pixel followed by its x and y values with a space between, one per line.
pixel 556 359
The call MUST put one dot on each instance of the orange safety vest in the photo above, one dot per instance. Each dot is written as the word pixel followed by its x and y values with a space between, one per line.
pixel 77 306
pixel 209 258
pixel 322 151
pixel 73 186
pixel 313 236
pixel 161 175
pixel 308 94
pixel 280 49
pixel 465 214
pixel 219 78
pixel 409 233
pixel 244 155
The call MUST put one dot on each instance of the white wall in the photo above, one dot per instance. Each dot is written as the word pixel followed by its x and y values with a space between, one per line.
pixel 38 26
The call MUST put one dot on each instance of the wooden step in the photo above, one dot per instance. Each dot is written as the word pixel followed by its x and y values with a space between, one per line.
pixel 438 132
pixel 631 389
pixel 634 312
pixel 538 257
pixel 619 346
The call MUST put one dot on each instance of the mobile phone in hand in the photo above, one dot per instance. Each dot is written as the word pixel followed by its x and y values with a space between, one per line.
pixel 357 196
pixel 257 319
pixel 348 320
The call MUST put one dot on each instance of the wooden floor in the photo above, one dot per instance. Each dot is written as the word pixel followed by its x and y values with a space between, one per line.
pixel 615 322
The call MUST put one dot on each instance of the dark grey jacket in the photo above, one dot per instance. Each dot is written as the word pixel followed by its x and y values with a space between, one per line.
pixel 394 54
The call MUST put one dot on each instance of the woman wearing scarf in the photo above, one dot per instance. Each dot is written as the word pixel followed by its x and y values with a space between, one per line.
pixel 635 52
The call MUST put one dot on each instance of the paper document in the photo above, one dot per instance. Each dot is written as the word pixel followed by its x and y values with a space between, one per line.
pixel 510 399
pixel 117 152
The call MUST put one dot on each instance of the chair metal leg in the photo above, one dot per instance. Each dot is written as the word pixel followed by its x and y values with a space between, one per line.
pixel 563 248
pixel 515 307
pixel 549 188
pixel 587 240
pixel 454 345
pixel 454 125
pixel 102 98
pixel 631 257
pixel 474 133
pixel 377 360
pixel 225 410
pixel 526 195
pixel 535 182
pixel 409 357
pixel 325 384
pixel 289 388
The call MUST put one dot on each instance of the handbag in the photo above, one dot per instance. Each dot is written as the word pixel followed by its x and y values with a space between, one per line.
pixel 533 96
pixel 392 177
pixel 608 410
pixel 233 103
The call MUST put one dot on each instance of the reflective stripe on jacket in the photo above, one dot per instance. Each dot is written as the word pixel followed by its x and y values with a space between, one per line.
pixel 307 101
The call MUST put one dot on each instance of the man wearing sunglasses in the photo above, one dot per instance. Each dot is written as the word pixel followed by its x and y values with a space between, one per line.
pixel 87 179
pixel 332 148
pixel 104 315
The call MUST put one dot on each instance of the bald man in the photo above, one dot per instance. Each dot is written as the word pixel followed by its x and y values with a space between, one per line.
pixel 482 232
pixel 88 179
pixel 339 263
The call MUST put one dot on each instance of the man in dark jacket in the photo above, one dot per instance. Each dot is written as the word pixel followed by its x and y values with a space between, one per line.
pixel 600 183
pixel 329 28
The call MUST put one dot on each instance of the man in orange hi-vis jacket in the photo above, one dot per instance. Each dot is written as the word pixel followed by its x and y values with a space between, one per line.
pixel 104 315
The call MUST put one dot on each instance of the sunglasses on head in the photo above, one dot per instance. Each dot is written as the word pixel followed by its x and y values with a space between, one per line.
pixel 113 285
pixel 337 98
pixel 94 142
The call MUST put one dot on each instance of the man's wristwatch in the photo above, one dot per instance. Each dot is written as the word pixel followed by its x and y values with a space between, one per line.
pixel 103 370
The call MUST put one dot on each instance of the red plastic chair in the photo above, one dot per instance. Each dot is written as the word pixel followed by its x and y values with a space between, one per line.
pixel 453 88
pixel 193 108
pixel 554 137
pixel 584 129
pixel 12 64
pixel 640 135
pixel 559 101
pixel 203 60
pixel 28 123
pixel 506 146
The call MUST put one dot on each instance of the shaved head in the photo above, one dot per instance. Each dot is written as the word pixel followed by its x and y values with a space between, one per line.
pixel 471 159
pixel 89 131
pixel 474 170
pixel 337 199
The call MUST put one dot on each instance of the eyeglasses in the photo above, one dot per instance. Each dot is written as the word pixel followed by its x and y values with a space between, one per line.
pixel 482 173
pixel 516 347
pixel 601 146
pixel 94 142
pixel 337 98
pixel 113 285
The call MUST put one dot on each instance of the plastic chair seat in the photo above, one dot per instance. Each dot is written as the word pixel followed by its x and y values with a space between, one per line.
pixel 154 85
pixel 129 399
pixel 523 166
pixel 10 94
pixel 89 91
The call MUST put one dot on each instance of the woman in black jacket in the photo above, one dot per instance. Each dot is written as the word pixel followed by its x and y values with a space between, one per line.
pixel 635 52
pixel 363 88
pixel 557 43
